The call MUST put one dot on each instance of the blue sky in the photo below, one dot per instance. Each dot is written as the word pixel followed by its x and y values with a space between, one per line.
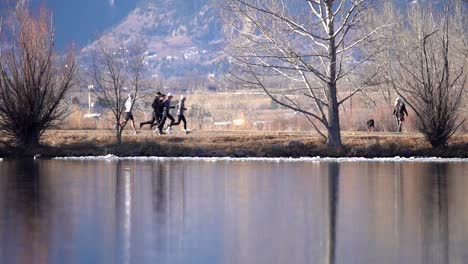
pixel 80 21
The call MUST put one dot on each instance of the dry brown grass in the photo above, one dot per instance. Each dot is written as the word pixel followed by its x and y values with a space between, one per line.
pixel 240 143
pixel 252 108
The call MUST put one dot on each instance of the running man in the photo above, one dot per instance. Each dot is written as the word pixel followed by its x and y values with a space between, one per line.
pixel 166 115
pixel 128 113
pixel 399 112
pixel 180 113
pixel 160 110
pixel 157 115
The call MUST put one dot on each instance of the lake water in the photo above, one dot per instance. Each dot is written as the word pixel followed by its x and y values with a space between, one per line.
pixel 189 211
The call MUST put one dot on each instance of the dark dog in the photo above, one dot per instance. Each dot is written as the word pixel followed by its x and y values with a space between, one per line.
pixel 370 125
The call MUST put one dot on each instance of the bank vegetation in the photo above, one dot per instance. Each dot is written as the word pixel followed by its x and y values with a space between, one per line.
pixel 238 144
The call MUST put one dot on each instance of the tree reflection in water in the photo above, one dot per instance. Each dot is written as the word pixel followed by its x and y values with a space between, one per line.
pixel 232 212
pixel 333 205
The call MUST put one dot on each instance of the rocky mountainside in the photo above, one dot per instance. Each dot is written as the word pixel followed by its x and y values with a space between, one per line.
pixel 182 37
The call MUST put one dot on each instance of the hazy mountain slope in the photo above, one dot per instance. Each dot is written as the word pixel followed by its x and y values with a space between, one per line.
pixel 182 36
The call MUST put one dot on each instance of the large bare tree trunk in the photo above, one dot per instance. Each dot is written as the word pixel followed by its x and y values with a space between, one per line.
pixel 118 135
pixel 334 131
pixel 297 52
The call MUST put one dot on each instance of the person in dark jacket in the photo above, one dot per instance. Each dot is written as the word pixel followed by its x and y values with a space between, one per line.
pixel 156 115
pixel 160 111
pixel 399 112
pixel 166 114
pixel 180 114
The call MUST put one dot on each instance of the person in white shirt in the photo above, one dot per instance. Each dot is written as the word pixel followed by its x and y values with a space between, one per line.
pixel 128 113
pixel 180 114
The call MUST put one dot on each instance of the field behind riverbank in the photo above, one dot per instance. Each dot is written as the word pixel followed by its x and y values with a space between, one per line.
pixel 239 143
pixel 252 111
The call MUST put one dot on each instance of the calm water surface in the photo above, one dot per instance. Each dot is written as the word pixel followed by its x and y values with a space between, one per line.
pixel 54 211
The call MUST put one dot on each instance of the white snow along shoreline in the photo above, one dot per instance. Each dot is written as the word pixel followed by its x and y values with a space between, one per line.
pixel 111 157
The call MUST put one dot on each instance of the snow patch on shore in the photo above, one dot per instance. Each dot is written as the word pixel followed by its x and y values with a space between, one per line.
pixel 111 157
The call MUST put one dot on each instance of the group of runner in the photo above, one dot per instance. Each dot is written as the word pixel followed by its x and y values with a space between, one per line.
pixel 162 106
pixel 161 112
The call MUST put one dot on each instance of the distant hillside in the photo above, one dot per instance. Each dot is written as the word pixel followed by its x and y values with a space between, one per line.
pixel 183 37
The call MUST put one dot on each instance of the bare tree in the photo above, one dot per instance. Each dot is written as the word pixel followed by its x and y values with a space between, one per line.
pixel 387 13
pixel 299 52
pixel 33 80
pixel 115 72
pixel 429 71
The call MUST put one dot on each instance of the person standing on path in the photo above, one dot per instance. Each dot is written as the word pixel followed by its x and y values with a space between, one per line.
pixel 180 114
pixel 128 113
pixel 399 112
pixel 166 115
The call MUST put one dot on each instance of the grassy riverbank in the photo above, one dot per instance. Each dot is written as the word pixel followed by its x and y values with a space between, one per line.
pixel 239 144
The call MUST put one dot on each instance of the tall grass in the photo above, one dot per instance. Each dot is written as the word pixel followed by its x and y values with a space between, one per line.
pixel 254 112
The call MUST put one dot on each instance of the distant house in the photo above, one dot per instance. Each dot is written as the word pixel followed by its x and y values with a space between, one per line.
pixel 222 123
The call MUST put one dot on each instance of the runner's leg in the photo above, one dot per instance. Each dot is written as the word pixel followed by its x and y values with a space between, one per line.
pixel 182 117
pixel 178 121
pixel 149 122
pixel 170 118
pixel 161 124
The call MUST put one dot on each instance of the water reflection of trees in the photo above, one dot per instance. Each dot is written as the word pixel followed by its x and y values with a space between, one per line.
pixel 333 205
pixel 162 185
pixel 341 212
pixel 423 212
pixel 49 208
pixel 435 224
pixel 27 199
pixel 159 187
pixel 400 212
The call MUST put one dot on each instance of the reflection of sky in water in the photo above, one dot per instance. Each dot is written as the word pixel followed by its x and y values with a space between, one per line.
pixel 232 212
